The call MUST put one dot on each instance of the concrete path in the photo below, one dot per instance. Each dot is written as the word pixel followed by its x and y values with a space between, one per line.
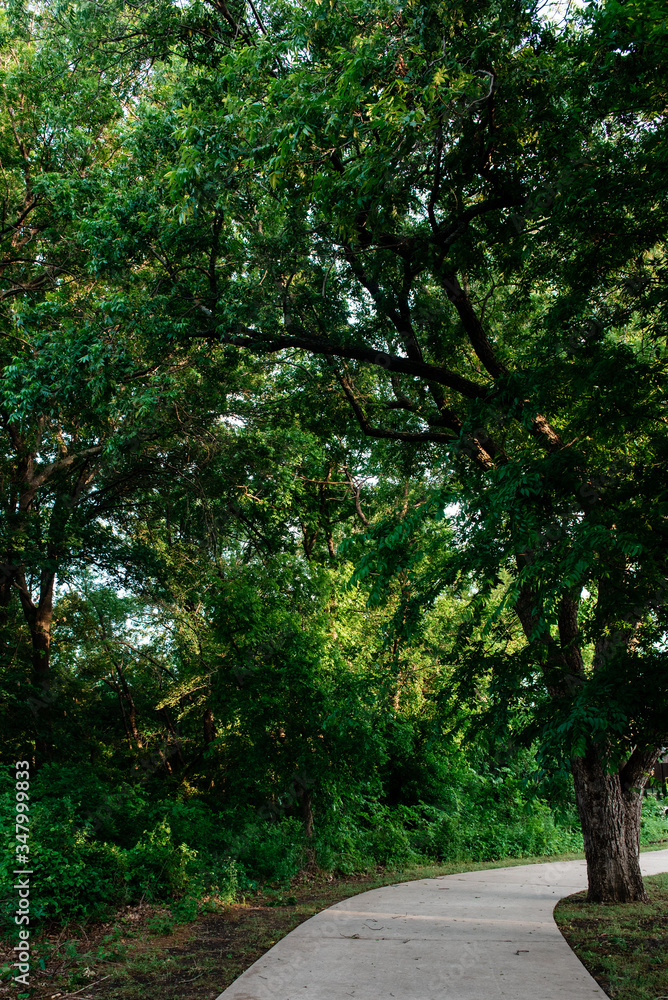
pixel 474 936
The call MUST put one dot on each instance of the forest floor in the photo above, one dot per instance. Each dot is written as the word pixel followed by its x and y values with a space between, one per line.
pixel 144 954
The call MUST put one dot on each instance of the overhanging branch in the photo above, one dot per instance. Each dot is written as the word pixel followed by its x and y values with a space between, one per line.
pixel 354 352
pixel 385 432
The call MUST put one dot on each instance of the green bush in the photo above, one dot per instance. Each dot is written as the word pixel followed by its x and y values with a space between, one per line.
pixel 181 850
pixel 273 851
pixel 654 822
pixel 157 869
pixel 73 877
pixel 78 875
pixel 226 877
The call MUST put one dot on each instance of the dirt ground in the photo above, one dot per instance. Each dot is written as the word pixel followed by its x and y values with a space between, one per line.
pixel 143 955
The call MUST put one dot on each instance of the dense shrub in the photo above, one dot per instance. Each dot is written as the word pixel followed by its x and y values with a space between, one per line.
pixel 173 850
pixel 654 822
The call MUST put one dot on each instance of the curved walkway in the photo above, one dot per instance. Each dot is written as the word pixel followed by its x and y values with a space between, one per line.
pixel 472 936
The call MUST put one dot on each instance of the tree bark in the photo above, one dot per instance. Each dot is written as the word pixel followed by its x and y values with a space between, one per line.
pixel 174 731
pixel 307 812
pixel 209 726
pixel 609 806
pixel 609 803
pixel 6 577
pixel 39 618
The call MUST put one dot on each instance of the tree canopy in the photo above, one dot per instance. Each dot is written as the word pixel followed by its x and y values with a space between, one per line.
pixel 301 294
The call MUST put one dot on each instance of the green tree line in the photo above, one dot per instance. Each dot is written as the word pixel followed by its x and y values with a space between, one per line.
pixel 333 420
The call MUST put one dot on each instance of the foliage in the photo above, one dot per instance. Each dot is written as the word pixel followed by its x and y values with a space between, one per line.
pixel 332 434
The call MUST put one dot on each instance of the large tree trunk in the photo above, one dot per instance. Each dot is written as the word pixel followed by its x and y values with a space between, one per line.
pixel 40 634
pixel 609 807
pixel 39 618
pixel 609 804
pixel 6 579
pixel 209 726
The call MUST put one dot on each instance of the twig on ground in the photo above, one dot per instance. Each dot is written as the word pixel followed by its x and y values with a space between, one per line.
pixel 88 986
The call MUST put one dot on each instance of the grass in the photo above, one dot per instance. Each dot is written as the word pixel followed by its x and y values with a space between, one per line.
pixel 145 954
pixel 624 947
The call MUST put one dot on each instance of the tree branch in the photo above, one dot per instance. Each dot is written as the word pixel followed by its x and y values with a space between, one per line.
pixel 356 498
pixel 383 432
pixel 389 362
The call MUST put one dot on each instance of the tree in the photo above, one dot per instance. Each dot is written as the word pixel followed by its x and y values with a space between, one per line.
pixel 454 219
pixel 87 408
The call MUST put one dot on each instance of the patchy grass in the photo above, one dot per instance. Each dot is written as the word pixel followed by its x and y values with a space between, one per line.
pixel 624 947
pixel 144 953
